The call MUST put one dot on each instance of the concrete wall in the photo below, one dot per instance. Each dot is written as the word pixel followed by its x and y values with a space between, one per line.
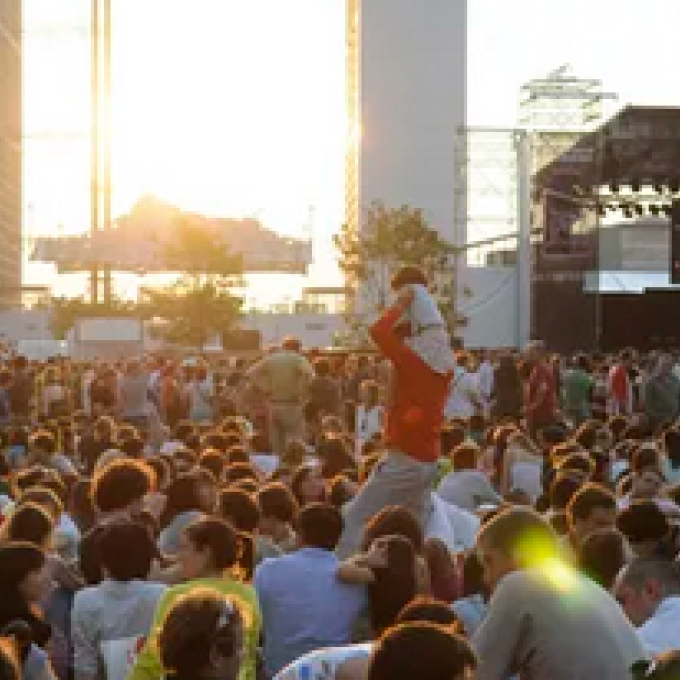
pixel 22 324
pixel 314 330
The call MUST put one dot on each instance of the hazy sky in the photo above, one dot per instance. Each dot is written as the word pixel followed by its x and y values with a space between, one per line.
pixel 237 108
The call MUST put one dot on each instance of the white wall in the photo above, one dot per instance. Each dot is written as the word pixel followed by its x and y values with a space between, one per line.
pixel 313 330
pixel 492 307
pixel 412 98
pixel 21 324
pixel 491 310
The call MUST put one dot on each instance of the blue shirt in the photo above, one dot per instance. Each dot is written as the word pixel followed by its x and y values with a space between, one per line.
pixel 304 605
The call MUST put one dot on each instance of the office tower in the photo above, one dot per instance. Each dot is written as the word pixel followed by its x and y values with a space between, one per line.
pixel 406 91
pixel 10 151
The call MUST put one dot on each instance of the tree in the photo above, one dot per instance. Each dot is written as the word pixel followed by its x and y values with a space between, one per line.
pixel 192 315
pixel 198 305
pixel 388 239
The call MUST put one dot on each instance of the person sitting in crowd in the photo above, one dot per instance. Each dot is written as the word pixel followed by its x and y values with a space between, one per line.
pixel 304 604
pixel 543 616
pixel 192 538
pixel 212 556
pixel 110 620
pixel 202 637
pixel 648 589
pixel 465 486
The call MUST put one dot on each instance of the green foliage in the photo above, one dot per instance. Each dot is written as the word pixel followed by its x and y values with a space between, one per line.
pixel 190 314
pixel 388 239
pixel 189 311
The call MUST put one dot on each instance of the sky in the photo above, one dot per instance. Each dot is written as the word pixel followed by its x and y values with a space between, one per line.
pixel 237 108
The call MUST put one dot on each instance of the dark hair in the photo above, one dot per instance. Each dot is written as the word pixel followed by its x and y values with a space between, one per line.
pixel 121 483
pixel 44 441
pixel 394 585
pixel 408 274
pixel 671 444
pixel 338 492
pixel 237 454
pixel 464 457
pixel 29 523
pixel 393 520
pixel 277 501
pixel 214 461
pixel 299 478
pixel 450 437
pixel 132 446
pixel 17 561
pixel 578 462
pixel 235 472
pixel 80 505
pixel 45 498
pixel 642 521
pixel 319 525
pixel 601 556
pixel 403 651
pixel 563 487
pixel 194 626
pixel 429 610
pixel 644 457
pixel 587 499
pixel 239 508
pixel 586 435
pixel 228 548
pixel 322 367
pixel 334 456
pixel 126 550
pixel 183 495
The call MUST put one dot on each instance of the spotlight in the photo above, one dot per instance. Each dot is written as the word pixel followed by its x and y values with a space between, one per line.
pixel 635 186
pixel 639 210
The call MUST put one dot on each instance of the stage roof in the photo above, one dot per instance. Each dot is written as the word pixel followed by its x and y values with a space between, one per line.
pixel 139 241
pixel 640 143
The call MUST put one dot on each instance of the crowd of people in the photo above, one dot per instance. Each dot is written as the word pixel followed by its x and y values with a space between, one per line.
pixel 406 513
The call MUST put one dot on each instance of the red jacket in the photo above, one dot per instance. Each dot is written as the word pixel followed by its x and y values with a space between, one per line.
pixel 415 415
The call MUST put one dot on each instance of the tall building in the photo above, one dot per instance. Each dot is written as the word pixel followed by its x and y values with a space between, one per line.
pixel 10 151
pixel 406 97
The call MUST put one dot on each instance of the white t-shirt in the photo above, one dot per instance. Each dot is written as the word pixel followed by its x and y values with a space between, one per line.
pixel 462 396
pixel 369 422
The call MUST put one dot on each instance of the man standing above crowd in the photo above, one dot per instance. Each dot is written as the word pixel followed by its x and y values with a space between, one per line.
pixel 284 376
pixel 413 420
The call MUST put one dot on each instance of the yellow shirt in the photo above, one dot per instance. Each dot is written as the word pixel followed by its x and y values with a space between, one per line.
pixel 148 664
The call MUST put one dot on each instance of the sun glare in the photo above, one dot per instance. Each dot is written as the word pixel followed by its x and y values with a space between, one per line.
pixel 233 109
